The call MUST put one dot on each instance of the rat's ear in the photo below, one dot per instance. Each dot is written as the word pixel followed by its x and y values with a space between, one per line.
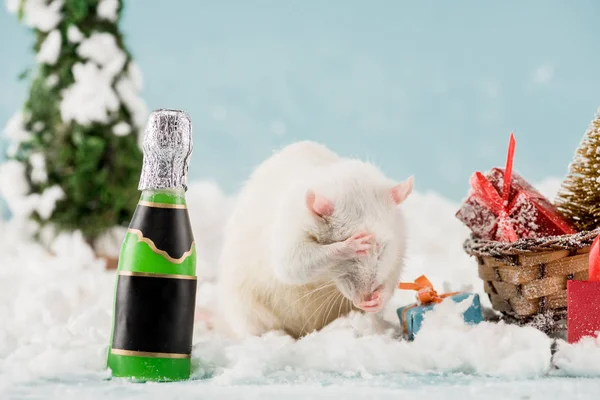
pixel 318 205
pixel 401 191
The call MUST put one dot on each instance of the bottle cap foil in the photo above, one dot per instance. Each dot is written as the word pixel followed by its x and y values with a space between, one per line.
pixel 167 150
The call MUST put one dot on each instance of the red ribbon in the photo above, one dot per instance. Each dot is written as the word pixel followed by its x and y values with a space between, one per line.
pixel 488 195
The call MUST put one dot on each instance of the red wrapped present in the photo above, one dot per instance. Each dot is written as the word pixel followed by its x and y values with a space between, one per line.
pixel 503 206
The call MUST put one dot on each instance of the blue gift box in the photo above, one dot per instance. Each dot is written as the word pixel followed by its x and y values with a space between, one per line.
pixel 414 314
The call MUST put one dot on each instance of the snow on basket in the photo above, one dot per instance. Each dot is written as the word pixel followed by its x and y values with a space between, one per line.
pixel 526 250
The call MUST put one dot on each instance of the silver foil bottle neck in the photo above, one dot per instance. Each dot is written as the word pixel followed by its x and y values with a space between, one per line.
pixel 167 150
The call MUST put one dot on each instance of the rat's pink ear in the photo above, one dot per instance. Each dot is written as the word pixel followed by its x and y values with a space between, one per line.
pixel 318 205
pixel 401 191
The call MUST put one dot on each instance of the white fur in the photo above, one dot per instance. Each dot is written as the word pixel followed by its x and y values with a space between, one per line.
pixel 272 275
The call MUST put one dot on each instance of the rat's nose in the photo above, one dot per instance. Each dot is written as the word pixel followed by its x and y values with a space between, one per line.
pixel 371 296
pixel 374 295
pixel 371 302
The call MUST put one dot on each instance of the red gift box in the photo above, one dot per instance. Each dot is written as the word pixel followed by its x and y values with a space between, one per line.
pixel 482 221
pixel 503 206
pixel 583 300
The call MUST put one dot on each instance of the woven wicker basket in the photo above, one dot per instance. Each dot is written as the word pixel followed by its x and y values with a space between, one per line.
pixel 528 278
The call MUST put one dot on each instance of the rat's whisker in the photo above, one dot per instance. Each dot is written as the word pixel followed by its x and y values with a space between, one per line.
pixel 344 299
pixel 329 303
pixel 331 307
pixel 306 295
pixel 315 299
pixel 323 286
pixel 326 285
pixel 318 308
pixel 319 296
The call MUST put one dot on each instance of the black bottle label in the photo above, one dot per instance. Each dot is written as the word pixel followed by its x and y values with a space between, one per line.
pixel 154 315
pixel 165 228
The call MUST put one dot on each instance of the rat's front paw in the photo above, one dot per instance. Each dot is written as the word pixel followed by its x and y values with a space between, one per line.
pixel 357 245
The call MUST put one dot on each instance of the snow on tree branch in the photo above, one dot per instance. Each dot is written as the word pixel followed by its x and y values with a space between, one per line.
pixel 91 98
pixel 74 35
pixel 39 14
pixel 50 49
pixel 107 9
pixel 101 48
pixel 15 128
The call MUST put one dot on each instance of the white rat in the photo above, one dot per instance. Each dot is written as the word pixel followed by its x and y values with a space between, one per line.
pixel 312 237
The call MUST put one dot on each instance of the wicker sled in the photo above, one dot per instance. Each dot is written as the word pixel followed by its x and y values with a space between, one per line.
pixel 526 281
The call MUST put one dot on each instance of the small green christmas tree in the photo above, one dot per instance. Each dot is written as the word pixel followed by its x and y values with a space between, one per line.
pixel 75 158
pixel 579 196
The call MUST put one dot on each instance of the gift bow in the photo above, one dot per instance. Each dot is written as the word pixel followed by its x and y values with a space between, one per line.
pixel 487 194
pixel 426 294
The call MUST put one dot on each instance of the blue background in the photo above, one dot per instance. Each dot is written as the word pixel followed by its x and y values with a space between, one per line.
pixel 430 88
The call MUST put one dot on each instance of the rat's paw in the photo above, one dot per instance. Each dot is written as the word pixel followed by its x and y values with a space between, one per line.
pixel 372 302
pixel 357 245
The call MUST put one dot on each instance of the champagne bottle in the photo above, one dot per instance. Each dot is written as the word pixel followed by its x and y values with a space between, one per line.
pixel 155 291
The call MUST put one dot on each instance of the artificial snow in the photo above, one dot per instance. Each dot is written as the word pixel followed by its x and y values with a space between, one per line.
pixel 50 48
pixel 42 14
pixel 38 126
pixel 109 243
pixel 38 168
pixel 15 129
pixel 74 35
pixel 46 202
pixel 14 186
pixel 94 95
pixel 56 313
pixel 14 189
pixel 12 149
pixel 121 129
pixel 91 97
pixel 581 359
pixel 52 80
pixel 107 9
pixel 102 48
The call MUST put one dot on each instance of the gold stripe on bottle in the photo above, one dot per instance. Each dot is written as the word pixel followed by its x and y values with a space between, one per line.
pixel 161 205
pixel 163 253
pixel 121 352
pixel 153 275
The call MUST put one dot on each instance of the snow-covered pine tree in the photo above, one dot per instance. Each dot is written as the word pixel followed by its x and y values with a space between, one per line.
pixel 74 158
pixel 579 196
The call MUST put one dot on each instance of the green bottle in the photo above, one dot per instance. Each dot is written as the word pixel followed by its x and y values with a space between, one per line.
pixel 155 294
